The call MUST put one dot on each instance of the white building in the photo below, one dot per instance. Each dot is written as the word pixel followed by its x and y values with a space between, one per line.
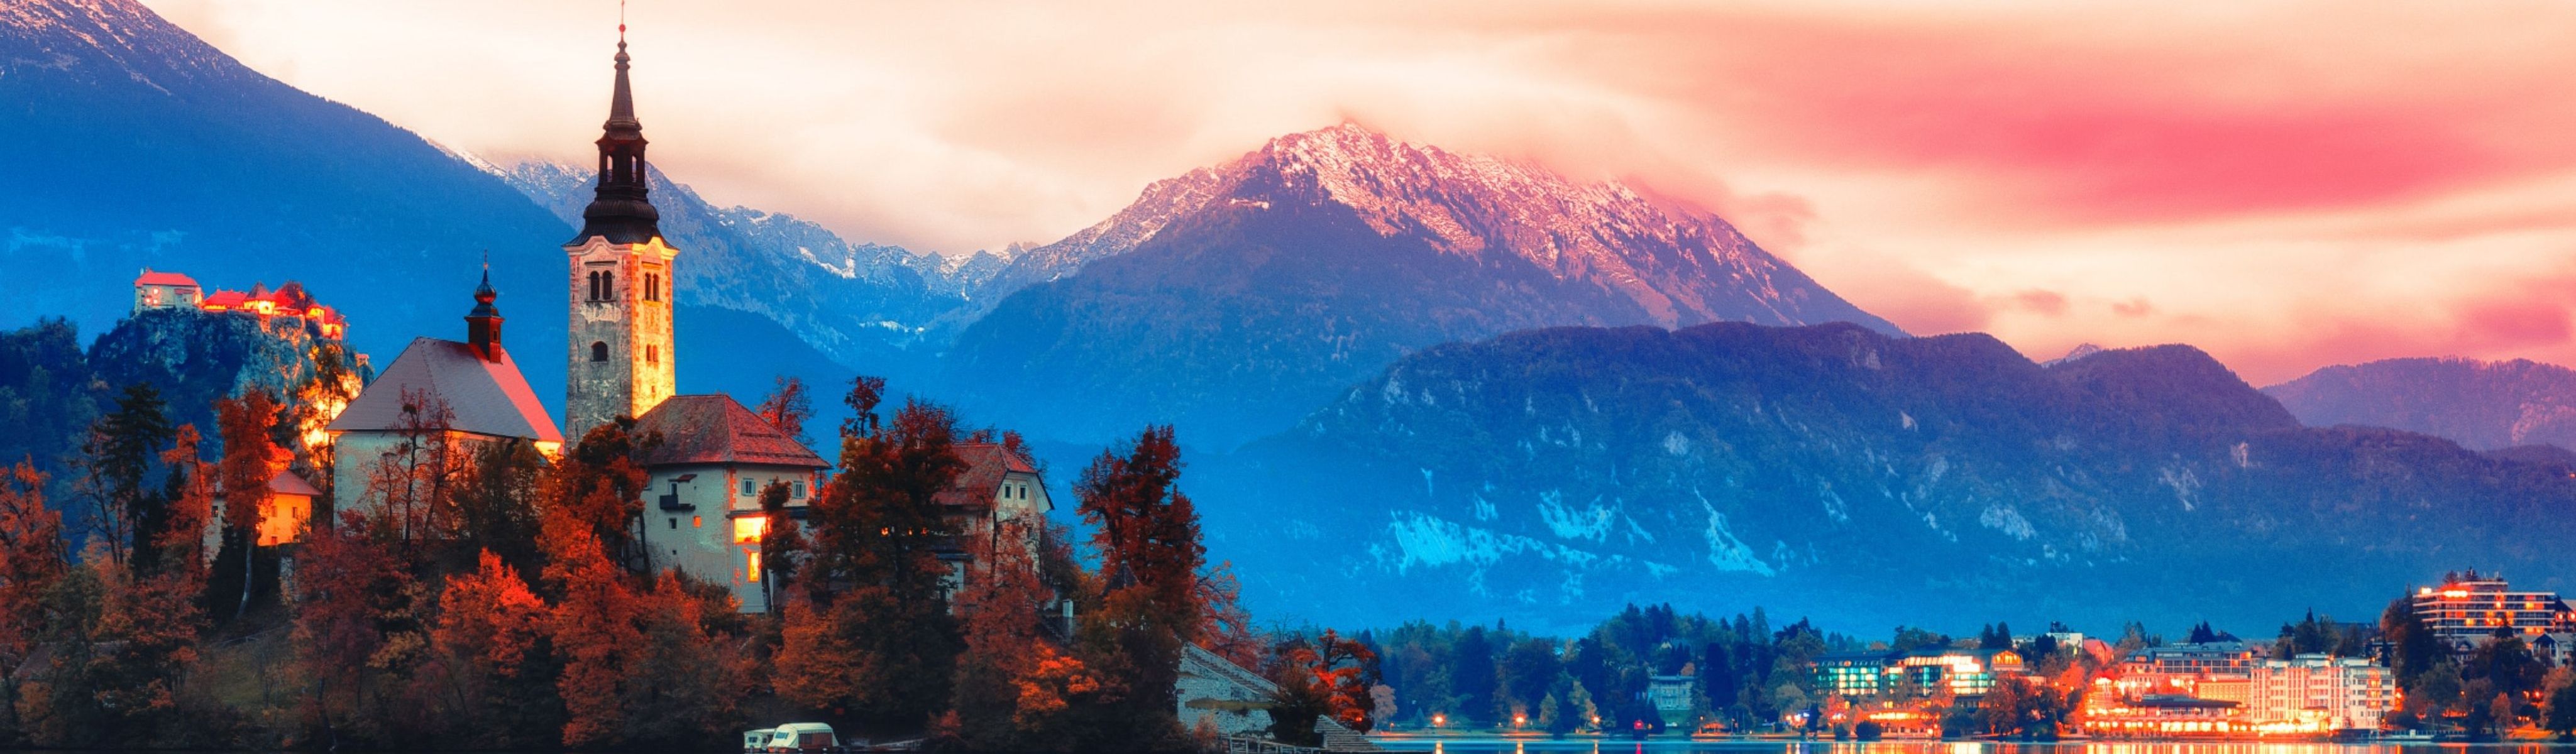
pixel 702 495
pixel 999 484
pixel 466 395
pixel 2315 692
pixel 165 290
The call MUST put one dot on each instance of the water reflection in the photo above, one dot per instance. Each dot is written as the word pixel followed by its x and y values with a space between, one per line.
pixel 1490 745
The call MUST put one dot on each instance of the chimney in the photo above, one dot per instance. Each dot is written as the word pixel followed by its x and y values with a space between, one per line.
pixel 483 324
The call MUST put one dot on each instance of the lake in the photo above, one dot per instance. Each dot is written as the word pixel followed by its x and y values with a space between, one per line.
pixel 1490 745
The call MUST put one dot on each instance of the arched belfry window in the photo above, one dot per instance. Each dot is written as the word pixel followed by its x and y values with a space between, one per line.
pixel 607 286
pixel 598 351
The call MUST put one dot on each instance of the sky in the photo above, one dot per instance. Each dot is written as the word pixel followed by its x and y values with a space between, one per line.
pixel 2286 185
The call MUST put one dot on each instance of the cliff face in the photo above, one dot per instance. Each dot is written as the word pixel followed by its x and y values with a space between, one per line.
pixel 194 358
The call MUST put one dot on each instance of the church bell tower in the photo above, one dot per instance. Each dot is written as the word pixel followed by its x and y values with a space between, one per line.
pixel 620 290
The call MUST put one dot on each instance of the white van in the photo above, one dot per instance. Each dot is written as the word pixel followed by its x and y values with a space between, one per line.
pixel 756 741
pixel 804 738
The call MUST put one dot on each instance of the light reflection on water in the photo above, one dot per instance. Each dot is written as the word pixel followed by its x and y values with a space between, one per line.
pixel 1473 745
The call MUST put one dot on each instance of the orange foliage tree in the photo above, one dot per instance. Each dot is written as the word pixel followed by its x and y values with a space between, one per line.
pixel 250 455
pixel 32 561
pixel 1149 604
pixel 600 485
pixel 490 672
pixel 594 628
pixel 877 639
pixel 359 627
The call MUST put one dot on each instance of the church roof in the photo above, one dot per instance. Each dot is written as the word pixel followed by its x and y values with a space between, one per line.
pixel 986 464
pixel 487 397
pixel 717 429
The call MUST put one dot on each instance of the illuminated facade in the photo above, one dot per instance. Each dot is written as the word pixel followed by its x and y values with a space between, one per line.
pixel 1961 672
pixel 2468 608
pixel 2215 670
pixel 2317 693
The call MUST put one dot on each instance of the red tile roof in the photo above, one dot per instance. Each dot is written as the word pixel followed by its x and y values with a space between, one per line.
pixel 164 278
pixel 287 483
pixel 986 463
pixel 717 429
pixel 224 299
pixel 487 397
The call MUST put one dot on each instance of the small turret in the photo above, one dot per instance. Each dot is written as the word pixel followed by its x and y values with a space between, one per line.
pixel 483 324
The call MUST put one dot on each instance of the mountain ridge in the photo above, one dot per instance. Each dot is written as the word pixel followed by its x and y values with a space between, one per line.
pixel 1254 291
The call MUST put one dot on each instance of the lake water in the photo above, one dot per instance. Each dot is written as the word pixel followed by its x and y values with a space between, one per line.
pixel 1487 745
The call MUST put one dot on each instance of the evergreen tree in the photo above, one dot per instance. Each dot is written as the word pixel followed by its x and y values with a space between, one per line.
pixel 116 458
pixel 1717 676
pixel 2413 648
pixel 1472 676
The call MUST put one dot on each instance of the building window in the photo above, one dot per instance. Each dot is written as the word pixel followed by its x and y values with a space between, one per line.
pixel 653 354
pixel 747 530
pixel 598 350
pixel 697 522
pixel 800 490
pixel 607 285
pixel 747 489
pixel 752 566
pixel 675 524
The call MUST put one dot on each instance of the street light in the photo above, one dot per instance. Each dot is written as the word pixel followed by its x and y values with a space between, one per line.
pixel 1439 720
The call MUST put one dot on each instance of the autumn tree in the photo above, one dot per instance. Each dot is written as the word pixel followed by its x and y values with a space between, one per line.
pixel 1014 690
pixel 782 545
pixel 491 671
pixel 1338 672
pixel 360 625
pixel 415 481
pixel 788 406
pixel 32 561
pixel 599 484
pixel 1147 539
pixel 189 492
pixel 688 669
pixel 593 623
pixel 249 461
pixel 877 640
pixel 494 513
pixel 1225 627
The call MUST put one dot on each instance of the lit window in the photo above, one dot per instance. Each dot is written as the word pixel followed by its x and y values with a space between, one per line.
pixel 752 566
pixel 747 530
pixel 697 522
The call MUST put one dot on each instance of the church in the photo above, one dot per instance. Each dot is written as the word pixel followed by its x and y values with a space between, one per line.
pixel 701 512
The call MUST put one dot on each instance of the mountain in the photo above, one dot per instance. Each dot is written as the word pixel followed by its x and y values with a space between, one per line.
pixel 1833 471
pixel 867 306
pixel 2484 405
pixel 1232 300
pixel 133 143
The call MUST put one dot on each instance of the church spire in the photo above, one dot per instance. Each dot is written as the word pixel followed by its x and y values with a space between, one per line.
pixel 483 324
pixel 619 209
